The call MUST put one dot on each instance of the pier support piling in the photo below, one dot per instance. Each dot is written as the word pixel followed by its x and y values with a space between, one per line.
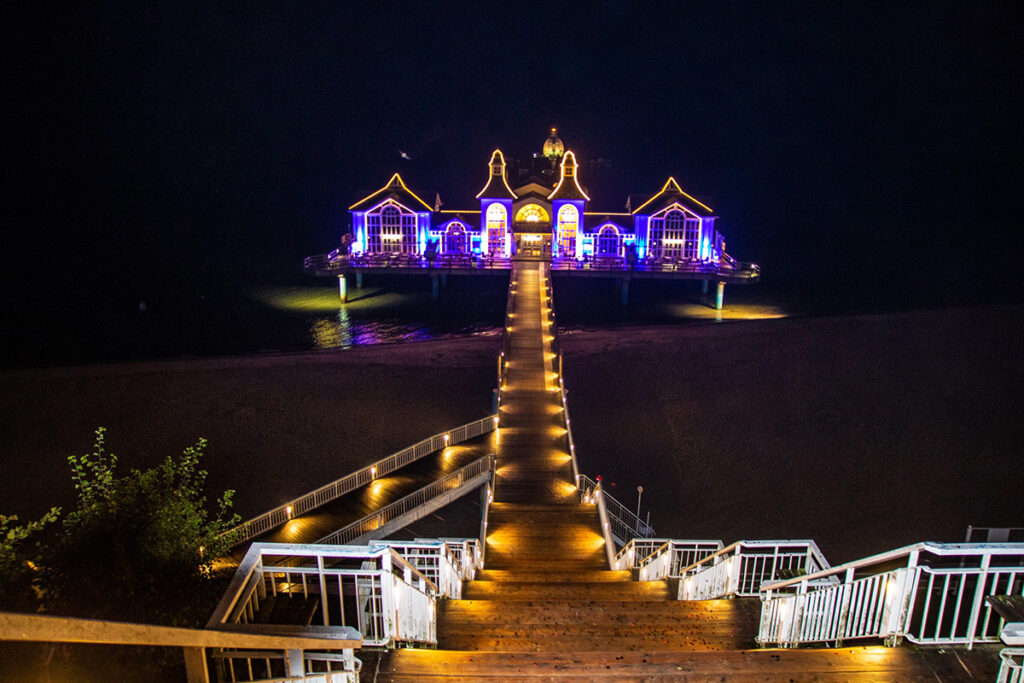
pixel 624 291
pixel 720 296
pixel 435 287
pixel 703 286
pixel 444 280
pixel 342 289
pixel 359 279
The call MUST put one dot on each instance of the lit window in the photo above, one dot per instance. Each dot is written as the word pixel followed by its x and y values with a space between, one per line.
pixel 532 213
pixel 674 236
pixel 455 238
pixel 497 228
pixel 608 241
pixel 391 229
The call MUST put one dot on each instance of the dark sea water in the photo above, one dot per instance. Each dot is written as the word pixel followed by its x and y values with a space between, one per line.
pixel 294 312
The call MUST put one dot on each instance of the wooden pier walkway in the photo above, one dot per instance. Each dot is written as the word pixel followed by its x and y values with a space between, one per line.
pixel 547 607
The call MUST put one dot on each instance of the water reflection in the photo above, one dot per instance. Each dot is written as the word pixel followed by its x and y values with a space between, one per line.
pixel 342 331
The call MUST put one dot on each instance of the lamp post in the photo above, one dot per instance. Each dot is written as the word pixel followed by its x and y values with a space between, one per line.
pixel 639 494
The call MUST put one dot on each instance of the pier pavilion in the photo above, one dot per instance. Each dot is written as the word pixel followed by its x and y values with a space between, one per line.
pixel 546 215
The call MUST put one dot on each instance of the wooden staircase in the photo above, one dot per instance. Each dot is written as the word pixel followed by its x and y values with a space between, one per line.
pixel 547 607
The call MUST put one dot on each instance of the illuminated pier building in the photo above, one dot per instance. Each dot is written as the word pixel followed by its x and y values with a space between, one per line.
pixel 544 214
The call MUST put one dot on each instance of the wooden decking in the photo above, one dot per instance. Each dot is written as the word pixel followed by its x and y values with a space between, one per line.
pixel 547 607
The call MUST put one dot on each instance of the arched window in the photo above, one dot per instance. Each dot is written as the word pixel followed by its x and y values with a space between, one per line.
pixel 497 229
pixel 532 213
pixel 608 241
pixel 391 229
pixel 455 238
pixel 674 236
pixel 568 222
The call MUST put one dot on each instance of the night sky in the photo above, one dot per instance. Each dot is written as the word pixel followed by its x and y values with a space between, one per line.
pixel 150 146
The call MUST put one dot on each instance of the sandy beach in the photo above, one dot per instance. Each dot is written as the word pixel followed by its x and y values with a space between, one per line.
pixel 862 432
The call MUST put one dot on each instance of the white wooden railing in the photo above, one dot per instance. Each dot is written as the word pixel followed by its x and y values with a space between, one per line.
pixel 273 518
pixel 272 667
pixel 662 558
pixel 928 593
pixel 741 568
pixel 469 477
pixel 370 589
pixel 446 563
pixel 1011 670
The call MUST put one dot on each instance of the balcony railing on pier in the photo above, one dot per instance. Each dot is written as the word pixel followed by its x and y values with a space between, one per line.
pixel 339 263
pixel 727 267
pixel 928 593
pixel 272 519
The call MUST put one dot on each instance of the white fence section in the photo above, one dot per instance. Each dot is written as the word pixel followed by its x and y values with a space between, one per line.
pixel 446 563
pixel 371 589
pixel 272 667
pixel 1011 670
pixel 624 525
pixel 661 558
pixel 740 569
pixel 928 593
pixel 269 520
pixel 471 476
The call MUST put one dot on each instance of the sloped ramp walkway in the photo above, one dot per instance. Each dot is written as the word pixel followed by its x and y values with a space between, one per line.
pixel 384 490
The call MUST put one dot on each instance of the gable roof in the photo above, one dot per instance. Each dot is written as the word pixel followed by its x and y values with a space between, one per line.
pixel 497 185
pixel 671 193
pixel 395 189
pixel 568 186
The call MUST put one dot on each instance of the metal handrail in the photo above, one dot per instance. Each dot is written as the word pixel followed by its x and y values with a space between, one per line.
pixel 401 604
pixel 298 506
pixel 1011 668
pixel 941 549
pixel 626 525
pixel 375 520
pixel 900 594
pixel 664 558
pixel 743 567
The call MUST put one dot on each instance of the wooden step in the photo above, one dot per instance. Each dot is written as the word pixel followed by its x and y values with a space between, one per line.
pixel 575 641
pixel 564 576
pixel 578 590
pixel 847 664
pixel 614 613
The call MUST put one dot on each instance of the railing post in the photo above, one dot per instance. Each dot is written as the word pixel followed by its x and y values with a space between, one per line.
pixel 844 607
pixel 196 668
pixel 389 610
pixel 907 594
pixel 979 600
pixel 294 663
pixel 323 588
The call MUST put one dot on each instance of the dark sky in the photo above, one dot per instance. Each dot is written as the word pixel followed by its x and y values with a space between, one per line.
pixel 146 143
